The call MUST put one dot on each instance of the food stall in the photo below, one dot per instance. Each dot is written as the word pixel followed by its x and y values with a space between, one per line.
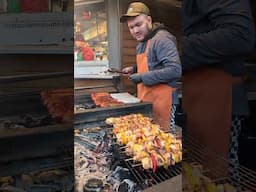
pixel 101 92
pixel 91 119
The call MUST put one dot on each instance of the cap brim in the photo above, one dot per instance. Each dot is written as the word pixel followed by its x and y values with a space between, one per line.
pixel 124 18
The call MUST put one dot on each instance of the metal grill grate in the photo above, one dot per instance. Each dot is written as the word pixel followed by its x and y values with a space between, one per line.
pixel 143 178
pixel 148 178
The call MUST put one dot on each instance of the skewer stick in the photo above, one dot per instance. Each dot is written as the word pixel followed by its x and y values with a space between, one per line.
pixel 111 128
pixel 137 165
pixel 122 152
pixel 130 159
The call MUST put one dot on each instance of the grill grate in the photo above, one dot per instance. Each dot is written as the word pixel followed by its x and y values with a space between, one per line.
pixel 148 178
pixel 143 178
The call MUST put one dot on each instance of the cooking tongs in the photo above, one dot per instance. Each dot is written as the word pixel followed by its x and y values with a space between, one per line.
pixel 113 70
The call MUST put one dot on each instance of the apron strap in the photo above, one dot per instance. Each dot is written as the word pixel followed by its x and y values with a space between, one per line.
pixel 147 47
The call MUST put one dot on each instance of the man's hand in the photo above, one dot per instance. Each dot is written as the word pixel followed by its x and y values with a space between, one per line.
pixel 135 78
pixel 128 70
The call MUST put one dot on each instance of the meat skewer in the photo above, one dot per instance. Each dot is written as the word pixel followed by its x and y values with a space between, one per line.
pixel 145 142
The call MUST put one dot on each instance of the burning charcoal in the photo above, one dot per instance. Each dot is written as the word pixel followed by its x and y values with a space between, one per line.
pixel 99 147
pixel 115 164
pixel 93 170
pixel 103 134
pixel 83 164
pixel 103 169
pixel 127 186
pixel 84 143
pixel 119 174
pixel 92 130
pixel 116 185
pixel 122 173
pixel 92 136
pixel 93 185
pixel 124 187
pixel 120 178
pixel 146 183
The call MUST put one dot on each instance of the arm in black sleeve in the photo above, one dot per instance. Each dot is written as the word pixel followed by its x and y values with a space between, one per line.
pixel 232 35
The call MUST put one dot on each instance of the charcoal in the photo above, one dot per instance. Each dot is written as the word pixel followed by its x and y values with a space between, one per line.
pixel 127 186
pixel 93 185
pixel 89 105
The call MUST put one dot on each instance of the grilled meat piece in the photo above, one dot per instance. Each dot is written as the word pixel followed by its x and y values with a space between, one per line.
pixel 104 100
pixel 59 103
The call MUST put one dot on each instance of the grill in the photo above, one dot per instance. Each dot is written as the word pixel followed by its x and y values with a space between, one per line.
pixel 142 178
pixel 38 142
pixel 58 179
pixel 193 152
pixel 96 117
pixel 146 178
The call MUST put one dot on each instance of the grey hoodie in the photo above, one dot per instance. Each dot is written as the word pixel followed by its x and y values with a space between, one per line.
pixel 163 58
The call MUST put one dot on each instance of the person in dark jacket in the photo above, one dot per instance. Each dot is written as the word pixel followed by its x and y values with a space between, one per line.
pixel 158 63
pixel 217 35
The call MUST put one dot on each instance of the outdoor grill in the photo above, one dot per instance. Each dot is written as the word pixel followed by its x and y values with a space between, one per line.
pixel 148 178
pixel 57 179
pixel 142 178
pixel 30 139
pixel 94 118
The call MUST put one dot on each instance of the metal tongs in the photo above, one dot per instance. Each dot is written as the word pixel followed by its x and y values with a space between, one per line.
pixel 113 70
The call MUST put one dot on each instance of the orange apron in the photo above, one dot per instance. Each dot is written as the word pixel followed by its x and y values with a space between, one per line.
pixel 160 95
pixel 207 101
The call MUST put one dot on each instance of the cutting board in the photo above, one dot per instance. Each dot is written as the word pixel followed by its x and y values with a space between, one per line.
pixel 125 97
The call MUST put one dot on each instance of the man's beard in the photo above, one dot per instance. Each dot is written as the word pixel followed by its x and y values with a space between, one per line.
pixel 149 29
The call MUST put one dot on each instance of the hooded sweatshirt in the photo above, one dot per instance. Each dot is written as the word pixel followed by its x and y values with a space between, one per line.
pixel 163 58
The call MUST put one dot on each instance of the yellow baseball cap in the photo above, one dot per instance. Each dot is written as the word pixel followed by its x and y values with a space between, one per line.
pixel 135 9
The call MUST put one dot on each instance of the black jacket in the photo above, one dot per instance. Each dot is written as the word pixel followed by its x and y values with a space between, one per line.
pixel 218 33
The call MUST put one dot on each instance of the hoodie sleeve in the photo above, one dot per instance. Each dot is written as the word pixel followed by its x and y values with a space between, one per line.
pixel 166 59
pixel 232 33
